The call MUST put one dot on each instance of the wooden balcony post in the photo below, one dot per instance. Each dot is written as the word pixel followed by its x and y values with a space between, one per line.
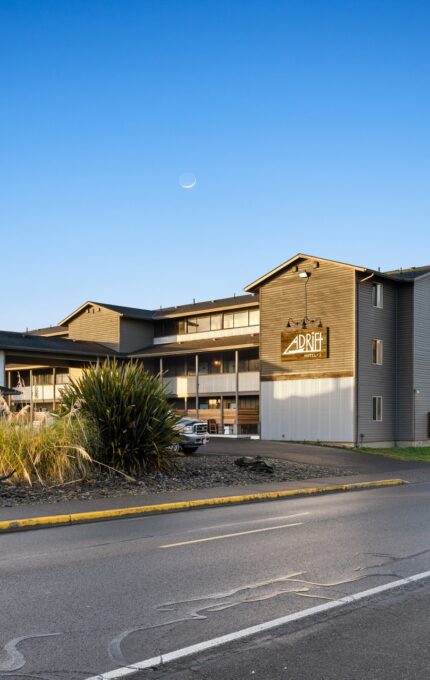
pixel 54 380
pixel 197 386
pixel 236 370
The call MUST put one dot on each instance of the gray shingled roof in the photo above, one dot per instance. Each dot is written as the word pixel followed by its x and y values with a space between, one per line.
pixel 190 346
pixel 49 330
pixel 207 305
pixel 26 342
pixel 129 312
pixel 412 273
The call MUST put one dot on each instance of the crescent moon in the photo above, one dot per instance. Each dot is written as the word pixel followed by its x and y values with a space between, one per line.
pixel 188 181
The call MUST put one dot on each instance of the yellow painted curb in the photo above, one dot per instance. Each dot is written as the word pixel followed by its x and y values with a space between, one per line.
pixel 122 513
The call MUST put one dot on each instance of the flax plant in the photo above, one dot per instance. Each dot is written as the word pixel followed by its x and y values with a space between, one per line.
pixel 130 409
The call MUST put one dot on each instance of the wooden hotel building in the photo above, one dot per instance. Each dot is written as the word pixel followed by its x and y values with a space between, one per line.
pixel 315 350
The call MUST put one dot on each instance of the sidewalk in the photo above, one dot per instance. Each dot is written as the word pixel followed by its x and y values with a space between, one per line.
pixel 90 505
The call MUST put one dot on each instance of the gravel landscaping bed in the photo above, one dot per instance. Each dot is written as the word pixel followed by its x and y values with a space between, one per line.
pixel 190 472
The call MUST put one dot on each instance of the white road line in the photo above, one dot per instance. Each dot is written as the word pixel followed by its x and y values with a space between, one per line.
pixel 276 518
pixel 253 630
pixel 237 533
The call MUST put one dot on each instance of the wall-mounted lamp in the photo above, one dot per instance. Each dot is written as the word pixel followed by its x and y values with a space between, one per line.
pixel 306 321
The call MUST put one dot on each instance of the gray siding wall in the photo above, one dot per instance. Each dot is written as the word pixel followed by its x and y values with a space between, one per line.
pixel 405 362
pixel 422 356
pixel 374 323
pixel 135 335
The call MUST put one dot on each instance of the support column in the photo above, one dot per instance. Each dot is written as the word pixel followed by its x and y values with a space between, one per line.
pixel 31 396
pixel 9 385
pixel 161 367
pixel 197 386
pixel 54 380
pixel 236 370
pixel 222 413
pixel 2 368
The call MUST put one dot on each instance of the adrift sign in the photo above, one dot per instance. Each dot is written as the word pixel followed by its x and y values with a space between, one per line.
pixel 304 344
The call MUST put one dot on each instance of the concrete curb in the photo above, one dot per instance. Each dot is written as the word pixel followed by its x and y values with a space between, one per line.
pixel 48 521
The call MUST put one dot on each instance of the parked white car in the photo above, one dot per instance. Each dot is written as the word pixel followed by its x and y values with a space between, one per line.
pixel 194 433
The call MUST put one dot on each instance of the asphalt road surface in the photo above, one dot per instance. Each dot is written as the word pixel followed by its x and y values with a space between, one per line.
pixel 79 602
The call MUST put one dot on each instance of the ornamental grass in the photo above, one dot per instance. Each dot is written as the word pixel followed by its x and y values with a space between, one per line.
pixel 48 454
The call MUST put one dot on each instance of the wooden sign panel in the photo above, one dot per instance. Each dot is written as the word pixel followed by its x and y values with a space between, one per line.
pixel 311 343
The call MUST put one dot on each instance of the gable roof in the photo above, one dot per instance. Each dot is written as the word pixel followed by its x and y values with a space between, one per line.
pixel 128 312
pixel 297 258
pixel 167 312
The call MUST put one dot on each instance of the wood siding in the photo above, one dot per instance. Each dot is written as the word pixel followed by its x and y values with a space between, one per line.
pixel 97 325
pixel 331 297
pixel 135 335
pixel 422 357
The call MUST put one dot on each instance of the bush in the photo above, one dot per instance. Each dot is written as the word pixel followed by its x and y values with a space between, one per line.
pixel 54 453
pixel 131 412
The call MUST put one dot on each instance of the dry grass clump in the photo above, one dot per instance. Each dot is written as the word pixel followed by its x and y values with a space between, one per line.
pixel 55 453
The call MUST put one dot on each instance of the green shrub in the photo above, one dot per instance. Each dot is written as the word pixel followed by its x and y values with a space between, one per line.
pixel 54 453
pixel 131 412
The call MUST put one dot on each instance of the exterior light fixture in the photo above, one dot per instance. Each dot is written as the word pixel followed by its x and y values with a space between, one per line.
pixel 306 321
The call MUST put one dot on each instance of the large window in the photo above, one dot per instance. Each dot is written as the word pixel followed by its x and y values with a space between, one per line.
pixel 173 366
pixel 241 319
pixel 248 360
pixel 209 322
pixel 377 352
pixel 377 295
pixel 377 409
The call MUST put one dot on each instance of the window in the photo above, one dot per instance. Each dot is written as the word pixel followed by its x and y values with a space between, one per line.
pixel 229 363
pixel 377 408
pixel 248 360
pixel 240 319
pixel 228 320
pixel 192 325
pixel 377 295
pixel 203 324
pixel 377 352
pixel 191 365
pixel 216 322
pixel 254 317
pixel 210 363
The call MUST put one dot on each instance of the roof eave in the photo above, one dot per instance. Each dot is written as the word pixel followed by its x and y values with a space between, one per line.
pixel 300 256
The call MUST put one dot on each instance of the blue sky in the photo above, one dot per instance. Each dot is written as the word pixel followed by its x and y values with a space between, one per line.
pixel 305 123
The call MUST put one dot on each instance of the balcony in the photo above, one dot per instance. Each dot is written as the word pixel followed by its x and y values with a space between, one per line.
pixel 223 383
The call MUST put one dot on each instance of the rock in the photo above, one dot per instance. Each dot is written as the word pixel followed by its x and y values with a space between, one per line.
pixel 257 464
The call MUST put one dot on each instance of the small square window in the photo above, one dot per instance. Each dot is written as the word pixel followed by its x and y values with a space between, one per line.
pixel 377 352
pixel 377 295
pixel 377 409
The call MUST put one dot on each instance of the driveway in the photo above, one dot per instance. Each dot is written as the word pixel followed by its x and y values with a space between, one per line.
pixel 360 463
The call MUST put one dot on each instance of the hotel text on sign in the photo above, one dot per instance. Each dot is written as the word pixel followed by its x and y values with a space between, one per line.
pixel 304 344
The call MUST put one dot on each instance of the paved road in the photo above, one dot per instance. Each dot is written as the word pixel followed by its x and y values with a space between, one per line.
pixel 311 454
pixel 79 601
